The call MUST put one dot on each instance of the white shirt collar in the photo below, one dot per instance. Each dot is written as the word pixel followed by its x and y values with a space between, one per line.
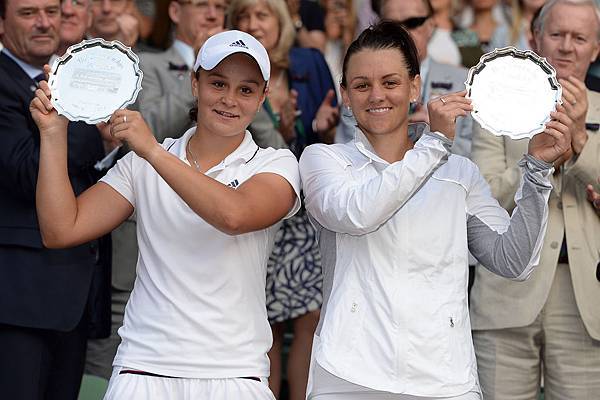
pixel 244 152
pixel 29 69
pixel 186 52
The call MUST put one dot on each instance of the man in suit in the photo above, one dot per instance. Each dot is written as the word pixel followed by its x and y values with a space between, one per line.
pixel 49 299
pixel 551 322
pixel 167 96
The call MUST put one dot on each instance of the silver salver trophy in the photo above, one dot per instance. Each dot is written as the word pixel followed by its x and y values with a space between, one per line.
pixel 513 92
pixel 94 79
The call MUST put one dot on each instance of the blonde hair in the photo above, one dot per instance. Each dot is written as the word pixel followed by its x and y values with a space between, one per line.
pixel 516 20
pixel 279 56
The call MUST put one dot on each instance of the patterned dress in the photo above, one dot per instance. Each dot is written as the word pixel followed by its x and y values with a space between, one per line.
pixel 294 276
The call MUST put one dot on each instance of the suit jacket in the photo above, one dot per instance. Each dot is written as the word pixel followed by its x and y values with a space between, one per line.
pixel 39 287
pixel 441 79
pixel 498 303
pixel 166 96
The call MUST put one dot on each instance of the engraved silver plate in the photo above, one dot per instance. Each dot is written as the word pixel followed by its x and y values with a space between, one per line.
pixel 513 92
pixel 94 79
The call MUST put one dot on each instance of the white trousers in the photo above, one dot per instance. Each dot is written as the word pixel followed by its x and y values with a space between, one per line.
pixel 143 387
pixel 326 386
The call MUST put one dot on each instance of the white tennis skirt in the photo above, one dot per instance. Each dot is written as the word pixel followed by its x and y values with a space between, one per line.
pixel 144 387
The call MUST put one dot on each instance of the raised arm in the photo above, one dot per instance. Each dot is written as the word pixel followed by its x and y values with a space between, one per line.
pixel 345 205
pixel 488 152
pixel 66 220
pixel 511 248
pixel 259 202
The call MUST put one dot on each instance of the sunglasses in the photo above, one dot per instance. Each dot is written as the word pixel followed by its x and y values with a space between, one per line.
pixel 414 22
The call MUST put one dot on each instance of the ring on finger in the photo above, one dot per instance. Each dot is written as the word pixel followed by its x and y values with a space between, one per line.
pixel 443 100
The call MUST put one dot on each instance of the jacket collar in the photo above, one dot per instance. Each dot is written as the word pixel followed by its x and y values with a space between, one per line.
pixel 366 149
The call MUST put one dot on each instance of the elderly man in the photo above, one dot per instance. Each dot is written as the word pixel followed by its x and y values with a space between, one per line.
pixel 167 96
pixel 47 297
pixel 76 19
pixel 550 323
pixel 114 20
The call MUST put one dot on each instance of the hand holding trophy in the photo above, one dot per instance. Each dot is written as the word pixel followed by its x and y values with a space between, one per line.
pixel 516 93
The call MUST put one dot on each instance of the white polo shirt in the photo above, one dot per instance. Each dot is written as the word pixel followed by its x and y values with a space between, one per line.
pixel 394 239
pixel 197 309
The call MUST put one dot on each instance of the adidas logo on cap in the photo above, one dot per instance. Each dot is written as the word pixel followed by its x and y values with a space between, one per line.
pixel 238 43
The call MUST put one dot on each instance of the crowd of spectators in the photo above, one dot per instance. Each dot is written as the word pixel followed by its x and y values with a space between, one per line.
pixel 60 310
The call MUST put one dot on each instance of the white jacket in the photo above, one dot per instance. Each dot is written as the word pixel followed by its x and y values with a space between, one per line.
pixel 394 240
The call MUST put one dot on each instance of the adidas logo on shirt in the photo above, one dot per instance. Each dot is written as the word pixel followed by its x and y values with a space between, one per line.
pixel 233 184
pixel 238 43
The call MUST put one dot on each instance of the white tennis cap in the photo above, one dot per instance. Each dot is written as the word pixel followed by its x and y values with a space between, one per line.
pixel 224 44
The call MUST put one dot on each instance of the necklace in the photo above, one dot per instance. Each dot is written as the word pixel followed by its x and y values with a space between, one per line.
pixel 192 157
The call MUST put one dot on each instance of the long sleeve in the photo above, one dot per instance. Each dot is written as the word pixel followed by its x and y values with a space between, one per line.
pixel 510 247
pixel 343 204
pixel 489 154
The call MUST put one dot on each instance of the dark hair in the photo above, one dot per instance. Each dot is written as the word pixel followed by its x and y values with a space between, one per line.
pixel 385 35
pixel 2 8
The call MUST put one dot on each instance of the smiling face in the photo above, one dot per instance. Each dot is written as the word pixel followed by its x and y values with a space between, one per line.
pixel 569 39
pixel 379 93
pixel 229 95
pixel 30 29
pixel 261 22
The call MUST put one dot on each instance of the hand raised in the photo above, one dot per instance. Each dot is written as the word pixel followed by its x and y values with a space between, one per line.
pixel 129 29
pixel 444 110
pixel 287 117
pixel 130 127
pixel 328 115
pixel 555 140
pixel 43 112
pixel 576 105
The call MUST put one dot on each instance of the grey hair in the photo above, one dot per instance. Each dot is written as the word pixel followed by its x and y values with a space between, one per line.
pixel 538 25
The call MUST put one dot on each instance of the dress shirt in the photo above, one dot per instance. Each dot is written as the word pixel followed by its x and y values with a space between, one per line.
pixel 29 69
pixel 186 52
pixel 394 239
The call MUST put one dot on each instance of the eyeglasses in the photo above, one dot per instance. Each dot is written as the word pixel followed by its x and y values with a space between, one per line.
pixel 204 6
pixel 414 22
